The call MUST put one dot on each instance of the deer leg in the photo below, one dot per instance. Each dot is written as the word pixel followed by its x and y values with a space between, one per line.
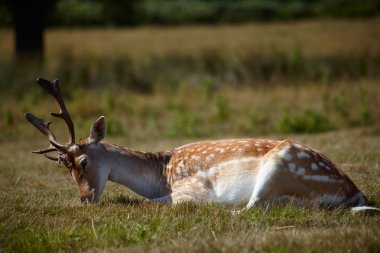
pixel 274 184
pixel 264 189
pixel 175 198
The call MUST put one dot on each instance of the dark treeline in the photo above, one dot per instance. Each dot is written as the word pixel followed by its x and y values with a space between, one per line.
pixel 174 12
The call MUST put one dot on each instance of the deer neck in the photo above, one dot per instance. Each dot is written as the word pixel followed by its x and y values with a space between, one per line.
pixel 143 173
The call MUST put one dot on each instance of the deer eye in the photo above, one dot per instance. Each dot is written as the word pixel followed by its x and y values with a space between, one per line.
pixel 83 163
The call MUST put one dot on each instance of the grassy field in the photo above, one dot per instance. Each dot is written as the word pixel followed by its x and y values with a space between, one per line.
pixel 326 38
pixel 336 112
pixel 151 58
pixel 41 211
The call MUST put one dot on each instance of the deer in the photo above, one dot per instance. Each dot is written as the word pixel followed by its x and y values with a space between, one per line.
pixel 253 172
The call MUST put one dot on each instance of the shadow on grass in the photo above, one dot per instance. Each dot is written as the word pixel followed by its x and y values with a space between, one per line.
pixel 124 200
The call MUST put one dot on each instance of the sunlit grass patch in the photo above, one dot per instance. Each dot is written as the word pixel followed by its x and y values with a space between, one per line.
pixel 41 210
pixel 144 224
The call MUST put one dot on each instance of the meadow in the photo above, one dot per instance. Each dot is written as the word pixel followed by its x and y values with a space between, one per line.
pixel 316 82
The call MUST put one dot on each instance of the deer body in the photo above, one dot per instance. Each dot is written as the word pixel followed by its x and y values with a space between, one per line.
pixel 231 172
pixel 250 171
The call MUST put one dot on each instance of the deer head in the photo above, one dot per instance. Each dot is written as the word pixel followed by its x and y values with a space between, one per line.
pixel 81 159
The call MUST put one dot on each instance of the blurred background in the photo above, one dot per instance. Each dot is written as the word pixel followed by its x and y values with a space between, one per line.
pixel 169 69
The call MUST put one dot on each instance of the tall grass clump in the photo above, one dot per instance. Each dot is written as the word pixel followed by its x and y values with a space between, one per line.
pixel 186 124
pixel 364 110
pixel 306 121
pixel 8 124
pixel 349 108
pixel 222 105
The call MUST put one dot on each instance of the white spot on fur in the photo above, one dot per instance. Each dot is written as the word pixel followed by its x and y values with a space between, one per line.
pixel 314 166
pixel 180 167
pixel 301 171
pixel 320 178
pixel 195 157
pixel 297 146
pixel 287 156
pixel 301 155
pixel 292 167
pixel 324 165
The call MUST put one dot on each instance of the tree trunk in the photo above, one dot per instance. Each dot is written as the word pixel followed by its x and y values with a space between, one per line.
pixel 29 20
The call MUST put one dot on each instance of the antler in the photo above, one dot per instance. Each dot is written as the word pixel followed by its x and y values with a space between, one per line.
pixel 53 89
pixel 44 128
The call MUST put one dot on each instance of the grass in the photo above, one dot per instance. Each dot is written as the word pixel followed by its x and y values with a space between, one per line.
pixel 41 211
pixel 196 113
pixel 199 57
pixel 151 58
pixel 321 38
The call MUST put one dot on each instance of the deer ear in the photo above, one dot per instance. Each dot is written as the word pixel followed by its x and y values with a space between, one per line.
pixel 98 130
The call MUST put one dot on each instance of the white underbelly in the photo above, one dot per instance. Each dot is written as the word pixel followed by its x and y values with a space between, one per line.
pixel 233 186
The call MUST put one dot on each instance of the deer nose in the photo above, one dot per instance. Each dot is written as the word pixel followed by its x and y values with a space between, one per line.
pixel 85 200
pixel 89 197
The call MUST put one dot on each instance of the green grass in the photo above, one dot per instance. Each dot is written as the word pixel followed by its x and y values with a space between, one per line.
pixel 41 211
pixel 195 112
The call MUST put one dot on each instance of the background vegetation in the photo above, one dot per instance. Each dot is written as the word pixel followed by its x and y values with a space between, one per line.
pixel 316 81
pixel 196 82
pixel 175 12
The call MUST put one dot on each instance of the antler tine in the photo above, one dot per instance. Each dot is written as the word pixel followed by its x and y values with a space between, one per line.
pixel 44 151
pixel 53 89
pixel 43 127
pixel 52 158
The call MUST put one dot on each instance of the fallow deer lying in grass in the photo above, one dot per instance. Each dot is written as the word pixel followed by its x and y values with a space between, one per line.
pixel 252 171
